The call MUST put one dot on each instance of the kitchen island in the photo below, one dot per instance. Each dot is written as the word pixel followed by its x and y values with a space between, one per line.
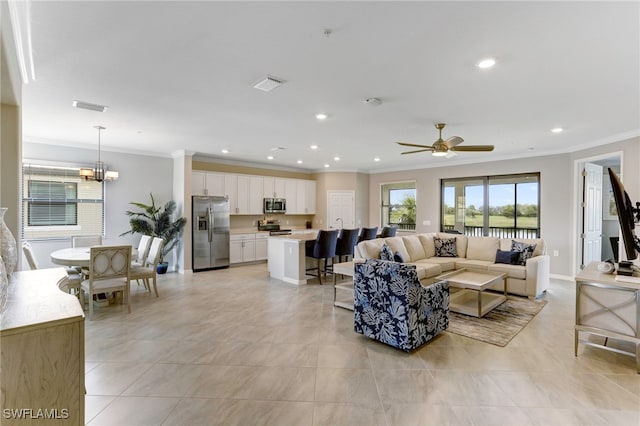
pixel 286 256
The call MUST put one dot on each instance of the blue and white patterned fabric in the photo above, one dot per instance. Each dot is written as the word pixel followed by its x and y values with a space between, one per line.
pixel 391 305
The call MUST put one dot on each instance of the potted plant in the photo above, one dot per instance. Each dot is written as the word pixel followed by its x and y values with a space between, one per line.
pixel 157 221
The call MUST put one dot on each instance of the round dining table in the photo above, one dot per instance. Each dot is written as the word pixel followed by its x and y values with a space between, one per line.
pixel 76 256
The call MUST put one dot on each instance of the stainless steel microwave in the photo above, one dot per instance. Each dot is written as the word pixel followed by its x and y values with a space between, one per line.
pixel 275 205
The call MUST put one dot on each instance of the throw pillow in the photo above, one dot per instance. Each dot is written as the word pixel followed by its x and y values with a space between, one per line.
pixel 507 257
pixel 526 250
pixel 398 257
pixel 445 247
pixel 386 253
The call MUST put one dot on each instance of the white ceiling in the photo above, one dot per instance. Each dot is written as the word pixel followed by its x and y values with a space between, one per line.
pixel 178 76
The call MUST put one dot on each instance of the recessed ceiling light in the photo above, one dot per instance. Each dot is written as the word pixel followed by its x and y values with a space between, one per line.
pixel 89 106
pixel 225 151
pixel 314 147
pixel 269 157
pixel 557 130
pixel 299 161
pixel 486 63
pixel 376 159
pixel 336 158
pixel 321 116
pixel 326 165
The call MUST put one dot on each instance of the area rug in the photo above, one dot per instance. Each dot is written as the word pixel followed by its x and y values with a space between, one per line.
pixel 500 325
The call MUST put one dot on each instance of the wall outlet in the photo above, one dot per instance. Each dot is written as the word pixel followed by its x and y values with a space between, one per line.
pixel 556 253
pixel 426 222
pixel 286 222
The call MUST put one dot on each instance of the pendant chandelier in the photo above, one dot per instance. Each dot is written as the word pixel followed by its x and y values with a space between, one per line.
pixel 98 173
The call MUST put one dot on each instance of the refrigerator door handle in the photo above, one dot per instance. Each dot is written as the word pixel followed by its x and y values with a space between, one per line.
pixel 210 213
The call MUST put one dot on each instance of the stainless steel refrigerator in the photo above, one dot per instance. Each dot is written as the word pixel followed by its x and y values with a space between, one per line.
pixel 210 242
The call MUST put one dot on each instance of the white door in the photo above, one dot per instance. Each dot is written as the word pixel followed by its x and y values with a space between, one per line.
pixel 591 214
pixel 341 205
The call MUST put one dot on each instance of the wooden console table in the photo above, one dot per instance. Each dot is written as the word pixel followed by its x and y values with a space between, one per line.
pixel 608 308
pixel 42 352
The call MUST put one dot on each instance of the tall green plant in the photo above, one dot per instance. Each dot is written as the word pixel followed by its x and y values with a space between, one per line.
pixel 156 221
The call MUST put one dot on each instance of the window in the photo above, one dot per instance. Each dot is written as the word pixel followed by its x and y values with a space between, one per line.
pixel 499 206
pixel 399 205
pixel 58 203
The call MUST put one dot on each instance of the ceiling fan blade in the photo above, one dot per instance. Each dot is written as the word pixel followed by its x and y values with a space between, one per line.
pixel 473 148
pixel 413 144
pixel 453 141
pixel 419 150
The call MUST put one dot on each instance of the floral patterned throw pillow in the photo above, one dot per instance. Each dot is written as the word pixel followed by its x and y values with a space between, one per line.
pixel 386 253
pixel 526 250
pixel 445 247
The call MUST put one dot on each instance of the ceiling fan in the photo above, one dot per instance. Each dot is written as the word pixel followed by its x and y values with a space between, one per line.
pixel 441 147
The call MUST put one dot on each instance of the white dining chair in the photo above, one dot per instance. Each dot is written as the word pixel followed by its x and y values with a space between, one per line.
pixel 86 241
pixel 143 250
pixel 148 272
pixel 109 270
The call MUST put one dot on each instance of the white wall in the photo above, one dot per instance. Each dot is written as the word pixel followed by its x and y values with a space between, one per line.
pixel 139 176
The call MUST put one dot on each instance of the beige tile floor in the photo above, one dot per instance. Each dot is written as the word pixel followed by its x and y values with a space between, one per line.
pixel 232 347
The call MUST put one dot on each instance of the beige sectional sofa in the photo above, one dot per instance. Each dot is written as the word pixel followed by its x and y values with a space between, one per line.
pixel 478 253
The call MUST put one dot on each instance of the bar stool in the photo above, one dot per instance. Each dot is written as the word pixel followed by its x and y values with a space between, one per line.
pixel 368 234
pixel 323 248
pixel 346 242
pixel 388 231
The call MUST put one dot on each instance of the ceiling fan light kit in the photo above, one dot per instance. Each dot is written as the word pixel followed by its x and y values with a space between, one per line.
pixel 441 147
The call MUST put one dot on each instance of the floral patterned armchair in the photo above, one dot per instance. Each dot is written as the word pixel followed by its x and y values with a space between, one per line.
pixel 391 305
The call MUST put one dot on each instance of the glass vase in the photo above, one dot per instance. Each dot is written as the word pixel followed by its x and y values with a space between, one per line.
pixel 8 249
pixel 4 285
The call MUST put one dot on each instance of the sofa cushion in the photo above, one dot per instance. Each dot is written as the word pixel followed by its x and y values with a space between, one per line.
pixel 445 247
pixel 479 265
pixel 482 248
pixel 446 263
pixel 397 245
pixel 427 270
pixel 427 245
pixel 386 253
pixel 512 271
pixel 507 257
pixel 370 249
pixel 526 250
pixel 414 248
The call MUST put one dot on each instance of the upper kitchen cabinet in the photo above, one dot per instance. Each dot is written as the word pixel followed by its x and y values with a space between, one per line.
pixel 301 196
pixel 203 183
pixel 249 194
pixel 198 185
pixel 274 187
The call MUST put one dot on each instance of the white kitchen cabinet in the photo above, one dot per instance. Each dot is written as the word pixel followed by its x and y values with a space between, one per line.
pixel 198 183
pixel 291 195
pixel 310 197
pixel 262 241
pixel 301 196
pixel 249 194
pixel 274 187
pixel 231 191
pixel 242 248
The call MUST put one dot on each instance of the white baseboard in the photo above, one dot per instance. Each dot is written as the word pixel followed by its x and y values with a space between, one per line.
pixel 562 277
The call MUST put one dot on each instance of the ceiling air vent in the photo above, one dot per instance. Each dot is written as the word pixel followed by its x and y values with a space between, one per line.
pixel 89 106
pixel 268 83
